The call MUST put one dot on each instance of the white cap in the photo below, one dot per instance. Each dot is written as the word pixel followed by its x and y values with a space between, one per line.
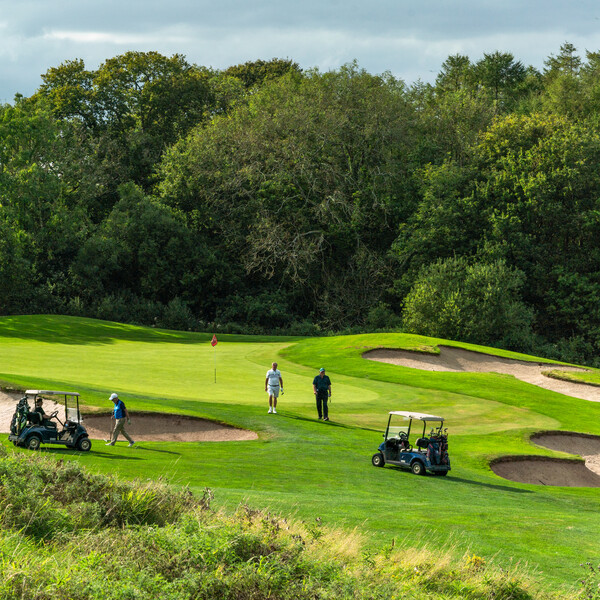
pixel 113 397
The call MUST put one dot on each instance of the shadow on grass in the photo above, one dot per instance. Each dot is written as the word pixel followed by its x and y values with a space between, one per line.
pixel 491 486
pixel 104 454
pixel 448 479
pixel 82 331
pixel 138 447
pixel 67 452
pixel 326 423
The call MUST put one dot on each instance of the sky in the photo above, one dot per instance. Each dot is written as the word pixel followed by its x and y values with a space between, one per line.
pixel 409 38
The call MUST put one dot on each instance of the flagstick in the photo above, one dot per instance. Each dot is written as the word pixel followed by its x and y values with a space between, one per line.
pixel 214 343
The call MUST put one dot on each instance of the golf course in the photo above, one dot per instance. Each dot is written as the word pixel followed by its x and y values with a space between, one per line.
pixel 306 469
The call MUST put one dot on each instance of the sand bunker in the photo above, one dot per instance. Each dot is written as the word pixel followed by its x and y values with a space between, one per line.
pixel 459 360
pixel 159 427
pixel 145 427
pixel 582 444
pixel 542 470
pixel 556 471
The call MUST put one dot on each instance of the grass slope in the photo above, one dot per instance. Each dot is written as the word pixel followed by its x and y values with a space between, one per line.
pixel 310 469
pixel 68 534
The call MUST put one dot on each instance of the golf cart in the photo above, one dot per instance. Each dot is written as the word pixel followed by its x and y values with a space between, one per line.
pixel 430 453
pixel 29 430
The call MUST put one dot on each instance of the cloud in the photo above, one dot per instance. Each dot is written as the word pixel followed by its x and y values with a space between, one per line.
pixel 407 38
pixel 97 37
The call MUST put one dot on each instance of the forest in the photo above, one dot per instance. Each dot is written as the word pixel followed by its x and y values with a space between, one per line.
pixel 266 198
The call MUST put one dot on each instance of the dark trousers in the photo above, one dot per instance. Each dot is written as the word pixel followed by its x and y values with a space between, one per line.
pixel 322 404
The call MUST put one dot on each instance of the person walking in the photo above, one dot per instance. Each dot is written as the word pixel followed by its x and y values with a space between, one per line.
pixel 120 414
pixel 322 391
pixel 273 385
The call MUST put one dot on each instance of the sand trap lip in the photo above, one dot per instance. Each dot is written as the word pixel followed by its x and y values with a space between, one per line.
pixel 458 360
pixel 542 470
pixel 145 427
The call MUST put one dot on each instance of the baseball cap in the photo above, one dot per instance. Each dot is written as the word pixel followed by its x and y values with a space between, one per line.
pixel 113 396
pixel 321 370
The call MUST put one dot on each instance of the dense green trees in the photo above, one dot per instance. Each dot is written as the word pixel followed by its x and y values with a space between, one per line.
pixel 267 198
pixel 304 185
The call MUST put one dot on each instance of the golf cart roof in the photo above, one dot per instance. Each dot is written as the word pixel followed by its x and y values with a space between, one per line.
pixel 49 393
pixel 416 415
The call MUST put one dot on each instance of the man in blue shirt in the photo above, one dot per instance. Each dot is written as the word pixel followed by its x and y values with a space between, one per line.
pixel 322 391
pixel 119 415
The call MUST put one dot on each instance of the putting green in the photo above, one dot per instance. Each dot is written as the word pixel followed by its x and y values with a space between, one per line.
pixel 308 468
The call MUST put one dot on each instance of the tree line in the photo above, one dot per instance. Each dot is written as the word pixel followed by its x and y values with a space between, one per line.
pixel 267 198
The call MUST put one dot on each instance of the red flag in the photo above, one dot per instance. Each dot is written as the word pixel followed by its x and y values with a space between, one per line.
pixel 214 341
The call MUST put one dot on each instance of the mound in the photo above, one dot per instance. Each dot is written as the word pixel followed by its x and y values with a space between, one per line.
pixel 541 470
pixel 460 360
pixel 145 427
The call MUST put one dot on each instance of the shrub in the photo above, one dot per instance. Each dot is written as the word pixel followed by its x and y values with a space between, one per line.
pixel 473 302
pixel 177 315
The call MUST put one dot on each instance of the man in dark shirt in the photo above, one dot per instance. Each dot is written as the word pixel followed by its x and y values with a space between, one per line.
pixel 322 391
pixel 44 419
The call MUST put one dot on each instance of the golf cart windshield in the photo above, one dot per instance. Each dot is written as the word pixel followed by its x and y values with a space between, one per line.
pixel 395 430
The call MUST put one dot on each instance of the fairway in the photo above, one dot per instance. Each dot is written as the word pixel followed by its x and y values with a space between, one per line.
pixel 300 466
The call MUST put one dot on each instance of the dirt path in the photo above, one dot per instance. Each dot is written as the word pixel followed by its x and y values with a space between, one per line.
pixel 459 360
pixel 145 427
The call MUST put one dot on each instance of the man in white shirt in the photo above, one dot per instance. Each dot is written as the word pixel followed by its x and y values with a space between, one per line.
pixel 273 385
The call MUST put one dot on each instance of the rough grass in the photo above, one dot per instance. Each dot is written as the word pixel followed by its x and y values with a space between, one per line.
pixel 168 544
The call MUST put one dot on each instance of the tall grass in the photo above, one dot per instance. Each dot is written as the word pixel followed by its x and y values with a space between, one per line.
pixel 68 534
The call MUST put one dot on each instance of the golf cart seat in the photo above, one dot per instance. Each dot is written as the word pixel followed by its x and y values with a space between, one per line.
pixel 34 418
pixel 422 443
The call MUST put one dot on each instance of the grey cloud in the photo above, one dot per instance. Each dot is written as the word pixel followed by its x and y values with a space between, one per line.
pixel 409 38
pixel 429 18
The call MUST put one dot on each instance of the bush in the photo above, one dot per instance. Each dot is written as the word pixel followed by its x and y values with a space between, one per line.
pixel 177 315
pixel 44 499
pixel 472 302
pixel 260 312
pixel 381 316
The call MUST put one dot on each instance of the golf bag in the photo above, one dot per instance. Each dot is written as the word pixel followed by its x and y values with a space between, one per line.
pixel 19 418
pixel 437 450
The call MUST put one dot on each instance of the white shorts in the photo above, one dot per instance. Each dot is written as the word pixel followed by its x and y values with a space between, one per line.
pixel 273 390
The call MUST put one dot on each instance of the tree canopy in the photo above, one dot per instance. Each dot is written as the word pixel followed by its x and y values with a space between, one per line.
pixel 268 198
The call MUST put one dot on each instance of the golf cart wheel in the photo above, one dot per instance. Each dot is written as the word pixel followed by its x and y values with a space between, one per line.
pixel 418 468
pixel 378 460
pixel 84 444
pixel 33 442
